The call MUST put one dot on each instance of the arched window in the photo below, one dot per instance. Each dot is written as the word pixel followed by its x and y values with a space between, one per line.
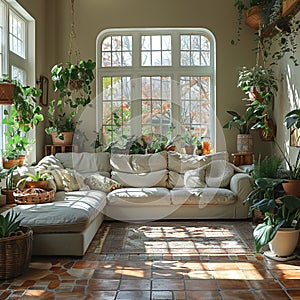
pixel 149 80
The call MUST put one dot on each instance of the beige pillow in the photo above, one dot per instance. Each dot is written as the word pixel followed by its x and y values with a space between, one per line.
pixel 102 183
pixel 139 163
pixel 151 179
pixel 66 179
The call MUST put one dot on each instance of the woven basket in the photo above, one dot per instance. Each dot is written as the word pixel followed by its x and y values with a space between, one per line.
pixel 34 196
pixel 15 254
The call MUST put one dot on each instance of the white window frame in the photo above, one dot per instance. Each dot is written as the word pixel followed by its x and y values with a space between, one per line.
pixel 175 71
pixel 9 58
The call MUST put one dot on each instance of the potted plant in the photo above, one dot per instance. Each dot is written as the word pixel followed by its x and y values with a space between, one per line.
pixel 258 82
pixel 37 180
pixel 291 185
pixel 243 123
pixel 15 246
pixel 281 225
pixel 73 83
pixel 20 119
pixel 9 184
pixel 7 88
pixel 191 142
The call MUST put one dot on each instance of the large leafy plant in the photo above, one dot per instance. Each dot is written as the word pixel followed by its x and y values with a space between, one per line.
pixel 283 212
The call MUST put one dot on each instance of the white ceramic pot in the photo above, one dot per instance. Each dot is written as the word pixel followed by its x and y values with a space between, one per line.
pixel 284 242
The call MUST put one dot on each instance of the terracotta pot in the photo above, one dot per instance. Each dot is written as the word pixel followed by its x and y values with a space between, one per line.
pixel 244 143
pixel 21 160
pixel 284 242
pixel 254 17
pixel 9 163
pixel 292 187
pixel 37 184
pixel 10 199
pixel 6 93
pixel 190 149
pixel 68 139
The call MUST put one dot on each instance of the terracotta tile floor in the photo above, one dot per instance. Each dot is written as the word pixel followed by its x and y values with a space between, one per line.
pixel 127 276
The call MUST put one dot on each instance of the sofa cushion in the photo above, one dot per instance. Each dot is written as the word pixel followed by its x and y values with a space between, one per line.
pixel 67 180
pixel 151 179
pixel 139 163
pixel 202 196
pixel 49 162
pixel 217 173
pixel 139 196
pixel 181 163
pixel 102 183
pixel 72 214
pixel 86 163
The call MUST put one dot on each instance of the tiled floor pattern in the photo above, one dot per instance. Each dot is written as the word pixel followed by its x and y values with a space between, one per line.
pixel 128 276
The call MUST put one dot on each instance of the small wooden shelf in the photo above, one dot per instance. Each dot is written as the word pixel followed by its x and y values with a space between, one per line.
pixel 53 149
pixel 240 159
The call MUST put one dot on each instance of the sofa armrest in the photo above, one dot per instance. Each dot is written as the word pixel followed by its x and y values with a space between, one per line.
pixel 241 184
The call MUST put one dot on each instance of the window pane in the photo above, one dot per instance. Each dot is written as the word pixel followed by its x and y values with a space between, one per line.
pixel 195 50
pixel 155 50
pixel 117 51
pixel 116 107
pixel 17 34
pixel 195 109
pixel 18 74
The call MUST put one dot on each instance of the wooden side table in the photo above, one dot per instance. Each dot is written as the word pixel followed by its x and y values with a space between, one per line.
pixel 240 159
pixel 53 149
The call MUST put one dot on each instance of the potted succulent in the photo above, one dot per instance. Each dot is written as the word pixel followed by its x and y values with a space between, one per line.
pixel 191 142
pixel 15 246
pixel 73 83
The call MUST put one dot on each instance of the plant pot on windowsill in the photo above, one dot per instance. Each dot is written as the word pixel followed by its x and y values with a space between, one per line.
pixel 9 163
pixel 6 93
pixel 67 138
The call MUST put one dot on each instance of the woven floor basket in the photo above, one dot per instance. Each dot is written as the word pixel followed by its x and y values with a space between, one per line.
pixel 34 196
pixel 15 254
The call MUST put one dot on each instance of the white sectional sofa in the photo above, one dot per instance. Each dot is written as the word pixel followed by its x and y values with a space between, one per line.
pixel 92 187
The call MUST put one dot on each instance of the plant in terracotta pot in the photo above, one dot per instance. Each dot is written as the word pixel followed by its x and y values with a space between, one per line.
pixel 280 227
pixel 258 82
pixel 190 140
pixel 9 183
pixel 15 245
pixel 243 124
pixel 73 83
pixel 291 185
pixel 37 180
pixel 7 88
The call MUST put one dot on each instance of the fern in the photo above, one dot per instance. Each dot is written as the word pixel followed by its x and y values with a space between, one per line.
pixel 269 167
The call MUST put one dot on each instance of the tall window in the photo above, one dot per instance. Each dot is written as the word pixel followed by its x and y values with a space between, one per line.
pixel 149 80
pixel 17 51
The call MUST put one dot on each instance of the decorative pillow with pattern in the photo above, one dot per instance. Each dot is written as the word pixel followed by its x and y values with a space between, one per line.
pixel 102 183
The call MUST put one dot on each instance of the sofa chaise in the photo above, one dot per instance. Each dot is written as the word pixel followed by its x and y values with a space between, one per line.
pixel 91 187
